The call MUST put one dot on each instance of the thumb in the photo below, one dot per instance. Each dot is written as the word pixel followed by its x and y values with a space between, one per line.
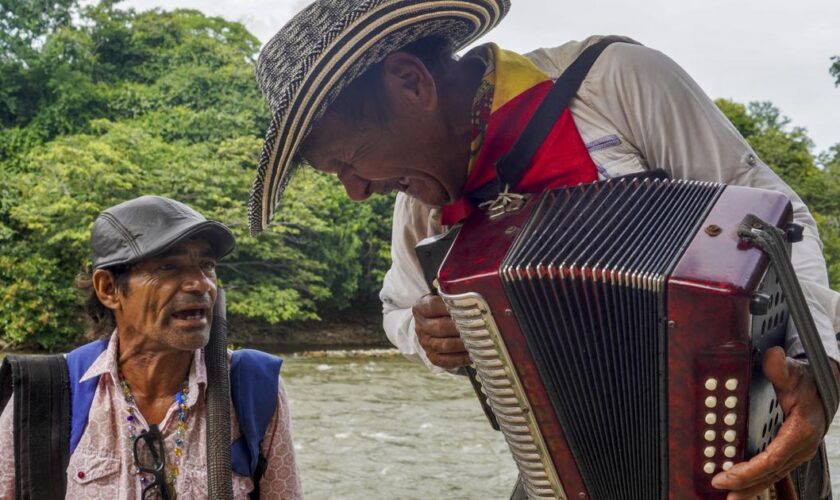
pixel 776 369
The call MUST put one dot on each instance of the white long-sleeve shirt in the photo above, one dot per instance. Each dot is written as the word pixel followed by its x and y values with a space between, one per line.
pixel 636 109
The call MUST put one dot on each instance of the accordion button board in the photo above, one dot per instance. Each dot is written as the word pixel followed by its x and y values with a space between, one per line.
pixel 625 334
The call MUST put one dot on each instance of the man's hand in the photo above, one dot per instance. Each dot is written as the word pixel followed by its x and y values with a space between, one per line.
pixel 798 438
pixel 437 334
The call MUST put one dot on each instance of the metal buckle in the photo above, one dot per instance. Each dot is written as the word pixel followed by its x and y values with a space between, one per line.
pixel 505 203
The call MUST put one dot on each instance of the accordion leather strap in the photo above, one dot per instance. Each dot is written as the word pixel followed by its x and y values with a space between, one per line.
pixel 512 166
pixel 771 240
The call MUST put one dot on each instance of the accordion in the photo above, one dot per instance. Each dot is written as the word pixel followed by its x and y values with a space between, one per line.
pixel 617 329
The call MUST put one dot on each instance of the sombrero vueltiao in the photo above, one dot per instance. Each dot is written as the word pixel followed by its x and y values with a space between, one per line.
pixel 306 65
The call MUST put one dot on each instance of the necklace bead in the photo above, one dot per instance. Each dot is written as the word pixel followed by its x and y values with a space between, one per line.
pixel 180 428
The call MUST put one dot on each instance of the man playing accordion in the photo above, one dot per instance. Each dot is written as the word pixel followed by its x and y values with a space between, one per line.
pixel 383 103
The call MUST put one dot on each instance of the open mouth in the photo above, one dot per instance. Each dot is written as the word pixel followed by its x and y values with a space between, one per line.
pixel 194 314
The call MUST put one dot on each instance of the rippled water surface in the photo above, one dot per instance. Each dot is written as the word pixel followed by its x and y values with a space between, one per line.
pixel 380 427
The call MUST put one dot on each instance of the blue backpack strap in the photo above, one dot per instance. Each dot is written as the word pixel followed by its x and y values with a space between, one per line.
pixel 81 393
pixel 253 390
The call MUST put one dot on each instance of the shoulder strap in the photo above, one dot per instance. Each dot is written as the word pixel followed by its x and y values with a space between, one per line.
pixel 41 422
pixel 253 391
pixel 81 393
pixel 512 166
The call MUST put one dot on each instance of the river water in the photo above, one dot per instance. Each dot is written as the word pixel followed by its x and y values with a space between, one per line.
pixel 380 427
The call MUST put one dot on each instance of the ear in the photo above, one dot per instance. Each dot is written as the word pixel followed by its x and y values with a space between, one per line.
pixel 407 80
pixel 106 288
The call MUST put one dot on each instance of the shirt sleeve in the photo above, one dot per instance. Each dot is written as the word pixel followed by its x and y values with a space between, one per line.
pixel 282 476
pixel 404 284
pixel 663 112
pixel 7 451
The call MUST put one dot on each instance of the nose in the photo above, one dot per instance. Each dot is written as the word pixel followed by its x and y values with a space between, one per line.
pixel 196 281
pixel 358 188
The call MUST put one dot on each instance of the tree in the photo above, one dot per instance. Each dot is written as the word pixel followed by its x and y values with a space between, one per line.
pixel 163 103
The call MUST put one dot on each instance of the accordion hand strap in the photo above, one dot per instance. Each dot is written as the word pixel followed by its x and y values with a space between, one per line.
pixel 771 240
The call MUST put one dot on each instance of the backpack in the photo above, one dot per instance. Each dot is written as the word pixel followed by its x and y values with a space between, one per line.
pixel 51 411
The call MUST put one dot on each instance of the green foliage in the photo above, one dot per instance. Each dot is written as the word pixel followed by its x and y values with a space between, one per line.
pixel 834 70
pixel 25 23
pixel 122 104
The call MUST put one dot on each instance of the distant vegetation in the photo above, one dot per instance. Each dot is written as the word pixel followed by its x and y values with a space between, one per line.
pixel 100 104
pixel 110 104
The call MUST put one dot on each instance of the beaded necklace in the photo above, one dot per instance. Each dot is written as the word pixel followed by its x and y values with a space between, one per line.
pixel 180 427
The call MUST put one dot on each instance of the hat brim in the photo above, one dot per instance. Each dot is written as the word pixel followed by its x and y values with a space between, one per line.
pixel 353 44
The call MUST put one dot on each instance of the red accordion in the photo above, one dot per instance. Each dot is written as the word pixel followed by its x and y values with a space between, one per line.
pixel 617 329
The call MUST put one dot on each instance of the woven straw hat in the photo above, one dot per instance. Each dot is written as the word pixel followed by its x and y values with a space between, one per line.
pixel 322 49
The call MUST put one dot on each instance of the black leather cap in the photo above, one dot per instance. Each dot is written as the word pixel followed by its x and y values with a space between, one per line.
pixel 148 225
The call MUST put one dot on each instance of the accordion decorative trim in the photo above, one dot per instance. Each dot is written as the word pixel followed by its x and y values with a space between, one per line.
pixel 505 394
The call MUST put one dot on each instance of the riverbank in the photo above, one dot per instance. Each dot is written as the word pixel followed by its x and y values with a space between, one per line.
pixel 353 329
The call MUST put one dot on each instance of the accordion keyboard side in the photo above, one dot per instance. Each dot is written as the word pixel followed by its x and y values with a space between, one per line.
pixel 716 343
pixel 505 394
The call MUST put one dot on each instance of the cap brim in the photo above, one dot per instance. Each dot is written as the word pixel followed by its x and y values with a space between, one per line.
pixel 300 88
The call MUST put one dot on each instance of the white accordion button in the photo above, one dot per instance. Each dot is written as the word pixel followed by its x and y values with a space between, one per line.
pixel 711 418
pixel 729 451
pixel 730 418
pixel 731 384
pixel 711 402
pixel 729 436
pixel 731 402
pixel 711 384
pixel 709 435
pixel 709 467
pixel 709 451
pixel 727 465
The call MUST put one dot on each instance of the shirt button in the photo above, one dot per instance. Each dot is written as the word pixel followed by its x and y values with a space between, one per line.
pixel 81 475
pixel 751 160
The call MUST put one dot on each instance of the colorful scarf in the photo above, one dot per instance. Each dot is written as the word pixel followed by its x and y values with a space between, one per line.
pixel 509 93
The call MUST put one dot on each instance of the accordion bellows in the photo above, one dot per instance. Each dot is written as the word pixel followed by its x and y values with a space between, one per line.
pixel 617 329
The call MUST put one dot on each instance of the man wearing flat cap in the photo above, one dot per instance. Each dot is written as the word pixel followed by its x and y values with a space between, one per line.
pixel 372 93
pixel 138 396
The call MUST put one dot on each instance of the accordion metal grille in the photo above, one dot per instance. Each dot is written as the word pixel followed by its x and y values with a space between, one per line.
pixel 586 281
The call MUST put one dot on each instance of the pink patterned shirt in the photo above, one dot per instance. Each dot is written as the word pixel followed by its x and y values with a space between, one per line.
pixel 103 464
